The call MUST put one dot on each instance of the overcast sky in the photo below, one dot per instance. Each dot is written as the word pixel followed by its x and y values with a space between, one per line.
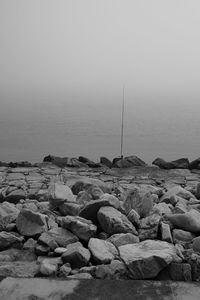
pixel 77 48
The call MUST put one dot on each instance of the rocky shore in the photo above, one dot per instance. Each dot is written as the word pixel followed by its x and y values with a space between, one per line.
pixel 88 222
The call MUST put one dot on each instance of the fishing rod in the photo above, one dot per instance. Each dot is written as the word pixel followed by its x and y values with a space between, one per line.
pixel 122 123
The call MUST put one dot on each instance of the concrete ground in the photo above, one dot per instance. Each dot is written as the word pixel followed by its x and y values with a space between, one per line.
pixel 42 289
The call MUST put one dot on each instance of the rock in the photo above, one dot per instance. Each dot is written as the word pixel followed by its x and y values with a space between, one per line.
pixel 7 239
pixel 64 161
pixel 14 254
pixel 80 276
pixel 166 232
pixel 30 223
pixel 48 267
pixel 120 239
pixel 71 209
pixel 60 250
pixel 88 162
pixel 15 196
pixel 134 218
pixel 59 193
pixel 65 270
pixel 176 191
pixel 196 244
pixel 89 269
pixel 182 237
pixel 94 191
pixel 128 162
pixel 182 163
pixel 80 183
pixel 62 236
pixel 180 272
pixel 139 200
pixel 48 240
pixel 189 221
pixel 82 228
pixel 103 252
pixel 77 256
pixel 19 269
pixel 198 190
pixel 149 227
pixel 115 270
pixel 162 208
pixel 42 250
pixel 83 198
pixel 92 207
pixel 30 245
pixel 146 259
pixel 112 221
pixel 195 164
pixel 105 161
pixel 8 214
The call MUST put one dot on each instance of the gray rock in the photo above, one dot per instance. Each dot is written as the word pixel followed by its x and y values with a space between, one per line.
pixel 103 252
pixel 65 270
pixel 112 221
pixel 77 256
pixel 180 272
pixel 62 237
pixel 30 223
pixel 19 269
pixel 59 193
pixel 81 227
pixel 182 163
pixel 189 221
pixel 69 209
pixel 7 239
pixel 121 239
pixel 115 270
pixel 8 213
pixel 15 196
pixel 48 268
pixel 134 218
pixel 92 207
pixel 139 200
pixel 196 244
pixel 146 259
pixel 176 191
pixel 182 237
pixel 166 232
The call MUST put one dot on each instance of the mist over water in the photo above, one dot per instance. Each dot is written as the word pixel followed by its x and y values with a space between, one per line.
pixel 89 126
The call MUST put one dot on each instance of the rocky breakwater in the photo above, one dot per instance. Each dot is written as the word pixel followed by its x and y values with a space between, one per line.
pixel 138 223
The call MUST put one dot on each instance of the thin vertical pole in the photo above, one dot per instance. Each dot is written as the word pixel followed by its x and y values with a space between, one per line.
pixel 122 125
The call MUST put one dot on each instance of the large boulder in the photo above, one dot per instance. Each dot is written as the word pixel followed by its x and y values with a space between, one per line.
pixel 176 191
pixel 139 200
pixel 64 161
pixel 146 259
pixel 128 162
pixel 7 239
pixel 77 256
pixel 105 161
pixel 59 193
pixel 91 208
pixel 31 223
pixel 82 228
pixel 113 221
pixel 103 252
pixel 195 164
pixel 89 162
pixel 189 221
pixel 8 213
pixel 182 163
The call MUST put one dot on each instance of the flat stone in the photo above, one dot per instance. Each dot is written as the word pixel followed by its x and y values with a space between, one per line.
pixel 62 237
pixel 18 269
pixel 182 237
pixel 69 209
pixel 120 239
pixel 30 223
pixel 146 259
pixel 113 221
pixel 103 252
pixel 81 227
pixel 74 289
pixel 166 232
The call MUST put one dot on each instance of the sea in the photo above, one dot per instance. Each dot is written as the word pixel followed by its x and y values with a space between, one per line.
pixel 32 129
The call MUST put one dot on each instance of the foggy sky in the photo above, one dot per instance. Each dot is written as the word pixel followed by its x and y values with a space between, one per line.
pixel 90 48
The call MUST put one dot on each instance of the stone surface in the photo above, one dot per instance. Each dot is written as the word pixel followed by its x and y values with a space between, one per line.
pixel 112 221
pixel 48 267
pixel 58 194
pixel 69 209
pixel 139 200
pixel 103 252
pixel 8 213
pixel 146 259
pixel 74 289
pixel 61 236
pixel 120 239
pixel 134 218
pixel 189 221
pixel 115 270
pixel 182 237
pixel 7 239
pixel 82 228
pixel 18 269
pixel 166 232
pixel 177 191
pixel 196 244
pixel 30 223
pixel 182 163
pixel 77 256
pixel 92 207
pixel 180 272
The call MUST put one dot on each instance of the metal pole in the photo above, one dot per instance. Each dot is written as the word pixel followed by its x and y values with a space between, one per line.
pixel 122 124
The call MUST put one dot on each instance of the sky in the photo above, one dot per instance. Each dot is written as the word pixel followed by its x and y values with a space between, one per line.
pixel 87 49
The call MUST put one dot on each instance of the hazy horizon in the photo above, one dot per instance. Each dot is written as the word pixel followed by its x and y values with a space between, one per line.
pixel 62 67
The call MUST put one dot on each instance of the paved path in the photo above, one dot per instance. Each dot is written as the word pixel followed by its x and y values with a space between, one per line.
pixel 42 289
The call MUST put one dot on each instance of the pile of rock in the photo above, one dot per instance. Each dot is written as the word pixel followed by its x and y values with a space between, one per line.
pixel 82 227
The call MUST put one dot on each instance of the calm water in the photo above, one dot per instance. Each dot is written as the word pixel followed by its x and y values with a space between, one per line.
pixel 31 130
